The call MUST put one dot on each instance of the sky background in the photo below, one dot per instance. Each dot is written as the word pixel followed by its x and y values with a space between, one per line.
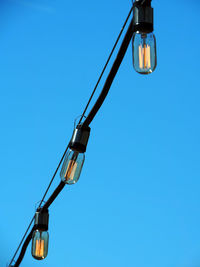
pixel 137 201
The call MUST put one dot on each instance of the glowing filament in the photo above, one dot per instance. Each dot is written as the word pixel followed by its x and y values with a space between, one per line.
pixel 71 169
pixel 39 248
pixel 144 57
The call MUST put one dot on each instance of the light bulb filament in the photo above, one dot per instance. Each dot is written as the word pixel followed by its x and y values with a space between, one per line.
pixel 39 248
pixel 144 57
pixel 71 169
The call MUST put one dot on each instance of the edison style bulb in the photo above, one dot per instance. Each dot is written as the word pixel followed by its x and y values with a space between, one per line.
pixel 40 243
pixel 72 166
pixel 144 52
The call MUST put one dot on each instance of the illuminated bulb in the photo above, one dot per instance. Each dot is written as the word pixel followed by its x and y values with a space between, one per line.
pixel 72 167
pixel 75 157
pixel 40 238
pixel 40 243
pixel 144 52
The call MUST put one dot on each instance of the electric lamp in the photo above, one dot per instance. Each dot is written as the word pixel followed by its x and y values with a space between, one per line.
pixel 75 157
pixel 144 41
pixel 40 239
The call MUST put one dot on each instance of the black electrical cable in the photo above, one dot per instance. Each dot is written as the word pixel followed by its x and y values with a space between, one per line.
pixel 108 60
pixel 79 122
pixel 53 176
pixel 87 121
pixel 54 195
pixel 111 76
pixel 24 247
pixel 46 206
pixel 22 240
pixel 142 2
pixel 52 179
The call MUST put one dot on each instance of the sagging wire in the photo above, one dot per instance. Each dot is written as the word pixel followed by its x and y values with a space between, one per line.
pixel 61 185
pixel 107 62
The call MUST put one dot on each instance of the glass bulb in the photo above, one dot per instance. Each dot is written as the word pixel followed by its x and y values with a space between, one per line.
pixel 144 52
pixel 72 166
pixel 40 243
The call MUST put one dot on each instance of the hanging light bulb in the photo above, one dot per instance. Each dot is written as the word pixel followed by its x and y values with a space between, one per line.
pixel 40 239
pixel 75 157
pixel 72 166
pixel 144 41
pixel 144 52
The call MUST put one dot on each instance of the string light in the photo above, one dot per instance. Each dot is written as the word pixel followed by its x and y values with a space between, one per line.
pixel 75 156
pixel 144 61
pixel 40 239
pixel 144 41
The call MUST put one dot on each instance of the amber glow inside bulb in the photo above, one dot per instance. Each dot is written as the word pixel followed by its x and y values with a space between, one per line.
pixel 144 57
pixel 40 242
pixel 144 52
pixel 39 248
pixel 72 166
pixel 71 170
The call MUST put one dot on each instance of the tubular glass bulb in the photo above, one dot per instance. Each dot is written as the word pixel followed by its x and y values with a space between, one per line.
pixel 72 166
pixel 40 243
pixel 144 52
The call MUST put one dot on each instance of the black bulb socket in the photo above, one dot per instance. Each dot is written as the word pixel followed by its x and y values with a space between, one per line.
pixel 142 16
pixel 80 138
pixel 41 219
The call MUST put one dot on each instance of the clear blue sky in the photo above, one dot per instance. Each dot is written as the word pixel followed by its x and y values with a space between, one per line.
pixel 137 201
